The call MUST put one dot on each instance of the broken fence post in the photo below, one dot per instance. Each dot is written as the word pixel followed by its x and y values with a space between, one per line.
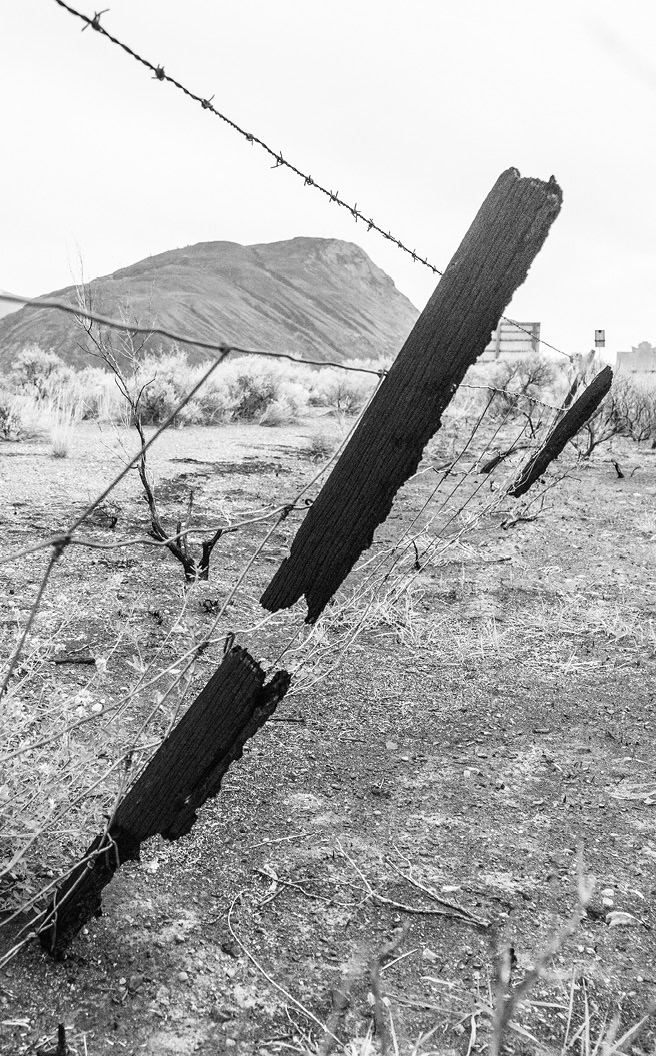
pixel 386 447
pixel 185 771
pixel 568 426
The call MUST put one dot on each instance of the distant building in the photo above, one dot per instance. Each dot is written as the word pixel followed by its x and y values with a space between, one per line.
pixel 640 359
pixel 512 339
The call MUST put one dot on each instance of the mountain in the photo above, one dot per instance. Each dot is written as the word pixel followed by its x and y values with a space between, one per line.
pixel 313 297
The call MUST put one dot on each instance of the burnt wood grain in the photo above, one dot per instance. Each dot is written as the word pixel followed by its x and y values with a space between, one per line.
pixel 385 449
pixel 186 770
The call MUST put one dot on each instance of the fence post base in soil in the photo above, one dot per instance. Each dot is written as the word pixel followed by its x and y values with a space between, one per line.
pixel 186 770
pixel 563 431
pixel 451 333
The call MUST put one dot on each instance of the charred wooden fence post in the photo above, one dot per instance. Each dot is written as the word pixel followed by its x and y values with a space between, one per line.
pixel 186 770
pixel 568 426
pixel 452 331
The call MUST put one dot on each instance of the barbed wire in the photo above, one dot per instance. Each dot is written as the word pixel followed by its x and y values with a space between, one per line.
pixel 147 540
pixel 223 348
pixel 159 74
pixel 186 339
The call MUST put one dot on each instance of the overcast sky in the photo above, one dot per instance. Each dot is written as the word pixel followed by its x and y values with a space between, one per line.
pixel 409 109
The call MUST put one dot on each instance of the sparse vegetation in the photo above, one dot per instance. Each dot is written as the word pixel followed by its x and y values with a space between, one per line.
pixel 38 373
pixel 248 389
pixel 10 423
pixel 523 386
pixel 60 441
pixel 468 620
pixel 319 447
pixel 471 625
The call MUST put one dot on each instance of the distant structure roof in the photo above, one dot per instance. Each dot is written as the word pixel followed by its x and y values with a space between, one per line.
pixel 641 358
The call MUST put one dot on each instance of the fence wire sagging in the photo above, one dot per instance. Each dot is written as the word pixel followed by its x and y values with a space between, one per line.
pixel 89 738
pixel 90 743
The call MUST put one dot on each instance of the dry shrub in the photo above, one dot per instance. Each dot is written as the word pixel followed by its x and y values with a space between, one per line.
pixel 10 421
pixel 343 392
pixel 60 438
pixel 38 373
pixel 320 447
pixel 629 410
pixel 244 388
pixel 515 383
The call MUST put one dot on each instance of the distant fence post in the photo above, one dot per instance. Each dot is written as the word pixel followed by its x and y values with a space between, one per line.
pixel 564 430
pixel 185 771
pixel 452 331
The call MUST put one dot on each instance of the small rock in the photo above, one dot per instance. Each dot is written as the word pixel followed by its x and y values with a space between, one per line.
pixel 619 919
pixel 429 955
pixel 162 996
pixel 340 999
pixel 183 976
pixel 134 982
pixel 221 1015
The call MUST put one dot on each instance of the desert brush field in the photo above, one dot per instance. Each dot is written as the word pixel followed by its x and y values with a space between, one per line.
pixel 443 841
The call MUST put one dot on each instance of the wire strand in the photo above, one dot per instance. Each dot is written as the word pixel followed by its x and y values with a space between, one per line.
pixel 186 339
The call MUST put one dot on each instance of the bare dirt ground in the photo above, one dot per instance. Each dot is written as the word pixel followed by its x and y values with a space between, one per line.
pixel 475 748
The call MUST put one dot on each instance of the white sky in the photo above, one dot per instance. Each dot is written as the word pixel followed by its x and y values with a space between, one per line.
pixel 409 109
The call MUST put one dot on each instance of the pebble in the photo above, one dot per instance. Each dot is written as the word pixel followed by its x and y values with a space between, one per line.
pixel 183 976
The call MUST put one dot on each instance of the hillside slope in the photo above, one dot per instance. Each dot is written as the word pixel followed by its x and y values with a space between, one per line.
pixel 314 297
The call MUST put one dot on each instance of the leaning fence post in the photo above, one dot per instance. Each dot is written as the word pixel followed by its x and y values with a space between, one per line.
pixel 185 771
pixel 563 431
pixel 452 331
